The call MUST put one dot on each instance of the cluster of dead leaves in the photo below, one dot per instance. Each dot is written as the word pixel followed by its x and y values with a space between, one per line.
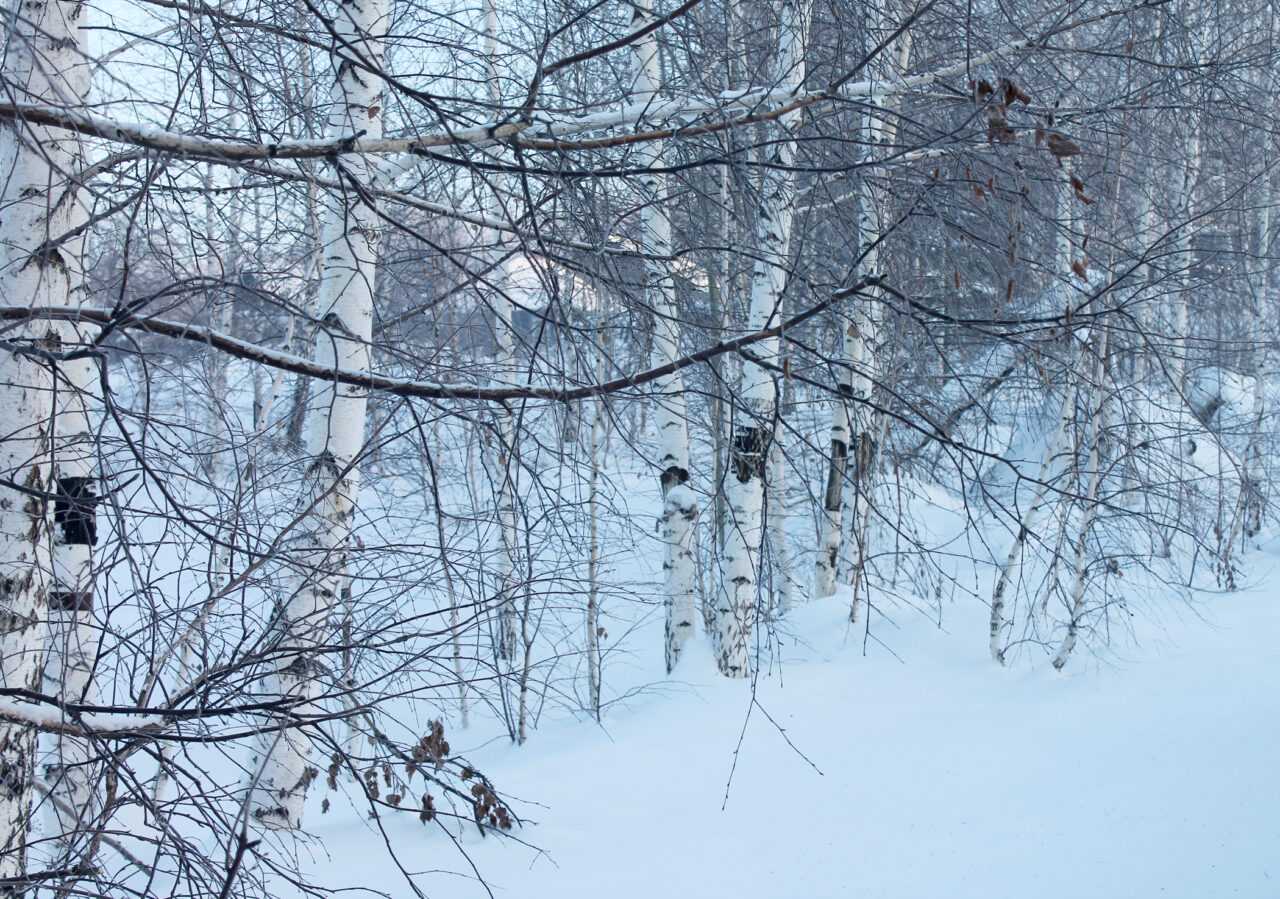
pixel 432 748
pixel 488 808
pixel 999 100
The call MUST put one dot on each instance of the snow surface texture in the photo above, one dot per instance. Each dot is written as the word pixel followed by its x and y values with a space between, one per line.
pixel 1150 773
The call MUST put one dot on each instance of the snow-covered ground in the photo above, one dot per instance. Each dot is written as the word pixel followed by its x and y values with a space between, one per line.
pixel 924 771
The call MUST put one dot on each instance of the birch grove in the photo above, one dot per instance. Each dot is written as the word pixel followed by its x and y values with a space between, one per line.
pixel 342 344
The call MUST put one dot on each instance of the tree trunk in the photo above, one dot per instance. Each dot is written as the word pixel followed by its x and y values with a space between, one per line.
pixel 336 425
pixel 1182 298
pixel 1001 622
pixel 680 503
pixel 753 431
pixel 39 206
pixel 1253 490
pixel 827 563
pixel 783 592
pixel 1098 429
pixel 74 633
pixel 593 553
pixel 853 423
pixel 505 450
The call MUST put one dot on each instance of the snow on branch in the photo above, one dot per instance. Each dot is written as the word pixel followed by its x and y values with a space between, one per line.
pixel 52 718
pixel 671 118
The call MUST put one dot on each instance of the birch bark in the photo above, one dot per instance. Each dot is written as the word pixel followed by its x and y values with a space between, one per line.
pixel 1182 299
pixel 736 598
pixel 1001 622
pixel 1098 429
pixel 336 424
pixel 44 62
pixel 853 423
pixel 504 452
pixel 679 502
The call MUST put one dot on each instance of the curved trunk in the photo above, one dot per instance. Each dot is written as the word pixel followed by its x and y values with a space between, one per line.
pixel 1001 622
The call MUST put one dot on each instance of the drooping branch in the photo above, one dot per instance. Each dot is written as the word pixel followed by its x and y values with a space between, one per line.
pixel 252 352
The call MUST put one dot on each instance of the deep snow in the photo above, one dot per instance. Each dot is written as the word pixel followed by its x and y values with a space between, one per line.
pixel 1151 771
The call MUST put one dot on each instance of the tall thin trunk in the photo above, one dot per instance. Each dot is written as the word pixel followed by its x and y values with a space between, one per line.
pixel 1182 298
pixel 1253 490
pixel 1148 217
pixel 680 503
pixel 783 587
pixel 593 553
pixel 504 452
pixel 853 422
pixel 753 433
pixel 1098 429
pixel 1262 316
pixel 455 616
pixel 297 418
pixel 44 62
pixel 336 425
pixel 1001 621
pixel 827 562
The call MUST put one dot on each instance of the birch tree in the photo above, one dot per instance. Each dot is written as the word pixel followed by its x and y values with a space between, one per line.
pixel 853 424
pixel 753 432
pixel 504 459
pixel 45 383
pixel 679 503
pixel 336 425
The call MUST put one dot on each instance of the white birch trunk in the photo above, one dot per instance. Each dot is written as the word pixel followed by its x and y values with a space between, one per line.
pixel 505 375
pixel 853 423
pixel 736 598
pixel 74 632
pixel 1141 363
pixel 1090 501
pixel 1001 622
pixel 864 345
pixel 455 613
pixel 1261 313
pixel 593 555
pixel 680 504
pixel 1182 299
pixel 336 424
pixel 783 588
pixel 44 61
pixel 827 563
pixel 867 332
